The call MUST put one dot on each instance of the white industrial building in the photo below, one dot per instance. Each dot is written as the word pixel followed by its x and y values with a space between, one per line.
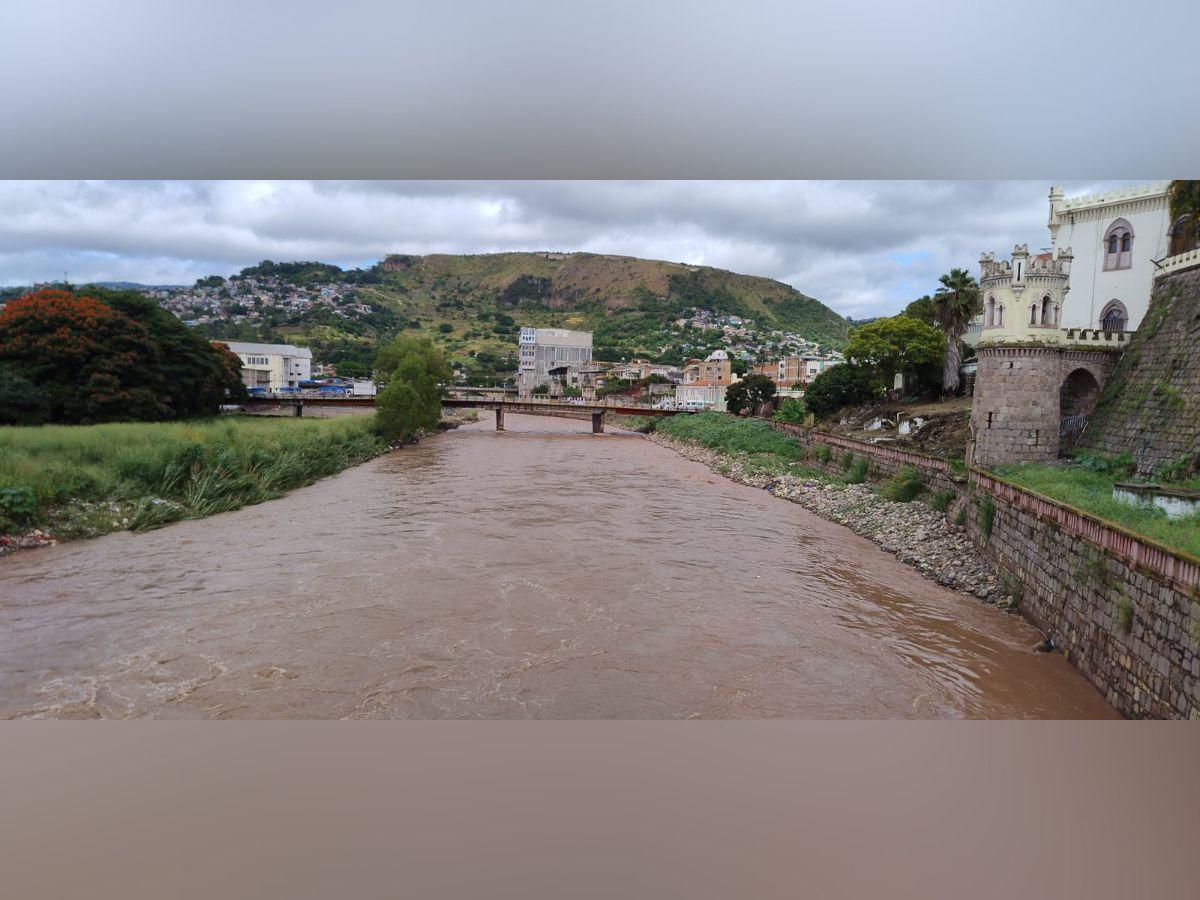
pixel 543 349
pixel 272 367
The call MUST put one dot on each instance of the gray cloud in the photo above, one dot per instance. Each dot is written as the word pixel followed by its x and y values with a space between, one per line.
pixel 863 247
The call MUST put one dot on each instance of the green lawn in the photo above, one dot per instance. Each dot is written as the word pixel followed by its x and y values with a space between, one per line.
pixel 1091 491
pixel 190 468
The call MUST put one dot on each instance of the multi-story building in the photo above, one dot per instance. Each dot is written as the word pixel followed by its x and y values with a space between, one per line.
pixel 795 372
pixel 705 381
pixel 272 367
pixel 1114 239
pixel 543 349
pixel 715 370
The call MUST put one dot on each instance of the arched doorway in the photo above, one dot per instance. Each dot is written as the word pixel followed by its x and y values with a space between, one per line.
pixel 1076 400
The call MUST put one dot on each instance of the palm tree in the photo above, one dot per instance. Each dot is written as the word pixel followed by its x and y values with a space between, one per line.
pixel 955 303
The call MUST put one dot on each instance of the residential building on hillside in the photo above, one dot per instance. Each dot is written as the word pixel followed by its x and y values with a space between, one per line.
pixel 793 372
pixel 543 349
pixel 715 370
pixel 705 381
pixel 272 367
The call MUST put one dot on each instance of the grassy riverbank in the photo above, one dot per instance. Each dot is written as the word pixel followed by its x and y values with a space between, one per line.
pixel 755 445
pixel 80 481
pixel 1091 490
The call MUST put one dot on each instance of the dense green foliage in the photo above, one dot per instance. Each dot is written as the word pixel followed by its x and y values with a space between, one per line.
pixel 904 486
pixel 792 410
pixel 21 403
pixel 840 386
pixel 1090 488
pixel 166 471
pixel 197 376
pixel 746 395
pixel 894 345
pixel 728 434
pixel 110 357
pixel 415 372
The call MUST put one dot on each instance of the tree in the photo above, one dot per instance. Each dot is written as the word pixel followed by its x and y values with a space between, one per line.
pixel 21 403
pixel 955 303
pixel 921 308
pixel 749 393
pixel 415 371
pixel 840 386
pixel 739 366
pixel 91 362
pixel 898 344
pixel 197 375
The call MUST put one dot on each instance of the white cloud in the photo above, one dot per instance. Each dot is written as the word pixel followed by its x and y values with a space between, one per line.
pixel 864 248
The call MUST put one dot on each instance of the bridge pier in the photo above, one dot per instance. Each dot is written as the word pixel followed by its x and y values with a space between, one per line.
pixel 597 423
pixel 499 418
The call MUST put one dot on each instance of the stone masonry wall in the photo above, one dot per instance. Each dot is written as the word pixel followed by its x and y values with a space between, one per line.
pixel 1125 611
pixel 1016 410
pixel 1150 408
pixel 1131 630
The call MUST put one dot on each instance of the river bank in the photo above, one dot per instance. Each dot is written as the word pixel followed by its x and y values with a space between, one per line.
pixel 915 533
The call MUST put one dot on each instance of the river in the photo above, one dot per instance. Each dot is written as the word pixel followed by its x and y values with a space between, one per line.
pixel 540 572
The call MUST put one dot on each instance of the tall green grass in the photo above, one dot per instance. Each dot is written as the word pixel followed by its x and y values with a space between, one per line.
pixel 729 434
pixel 202 467
pixel 1091 491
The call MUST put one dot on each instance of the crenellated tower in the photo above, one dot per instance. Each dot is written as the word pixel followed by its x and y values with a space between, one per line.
pixel 1036 381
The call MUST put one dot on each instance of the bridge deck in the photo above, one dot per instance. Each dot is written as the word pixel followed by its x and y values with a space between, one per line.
pixel 510 404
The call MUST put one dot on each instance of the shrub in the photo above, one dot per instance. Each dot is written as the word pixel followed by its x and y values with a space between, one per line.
pixel 822 453
pixel 446 328
pixel 847 461
pixel 841 386
pixel 1124 617
pixel 904 486
pixel 987 515
pixel 857 472
pixel 792 411
pixel 18 505
pixel 960 517
pixel 941 500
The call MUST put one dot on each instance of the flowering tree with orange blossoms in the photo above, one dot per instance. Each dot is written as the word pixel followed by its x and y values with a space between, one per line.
pixel 92 363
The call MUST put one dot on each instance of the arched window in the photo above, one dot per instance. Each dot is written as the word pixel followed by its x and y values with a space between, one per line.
pixel 1047 312
pixel 1114 316
pixel 1033 314
pixel 1185 234
pixel 989 318
pixel 1000 316
pixel 1118 245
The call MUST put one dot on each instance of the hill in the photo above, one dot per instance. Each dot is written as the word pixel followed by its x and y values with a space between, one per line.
pixel 473 306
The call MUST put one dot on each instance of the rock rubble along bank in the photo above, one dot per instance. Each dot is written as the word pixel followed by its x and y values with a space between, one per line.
pixel 913 532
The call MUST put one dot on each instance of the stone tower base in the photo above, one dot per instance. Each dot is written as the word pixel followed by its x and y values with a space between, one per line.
pixel 1024 397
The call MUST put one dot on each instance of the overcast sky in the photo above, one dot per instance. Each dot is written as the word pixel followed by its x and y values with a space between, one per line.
pixel 864 248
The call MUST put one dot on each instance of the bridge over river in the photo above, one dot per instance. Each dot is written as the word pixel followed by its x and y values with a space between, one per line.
pixel 295 405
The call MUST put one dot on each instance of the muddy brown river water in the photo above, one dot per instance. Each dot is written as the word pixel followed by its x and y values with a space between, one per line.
pixel 539 572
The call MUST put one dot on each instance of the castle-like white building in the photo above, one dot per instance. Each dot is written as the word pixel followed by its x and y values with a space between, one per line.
pixel 1115 239
pixel 1110 244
